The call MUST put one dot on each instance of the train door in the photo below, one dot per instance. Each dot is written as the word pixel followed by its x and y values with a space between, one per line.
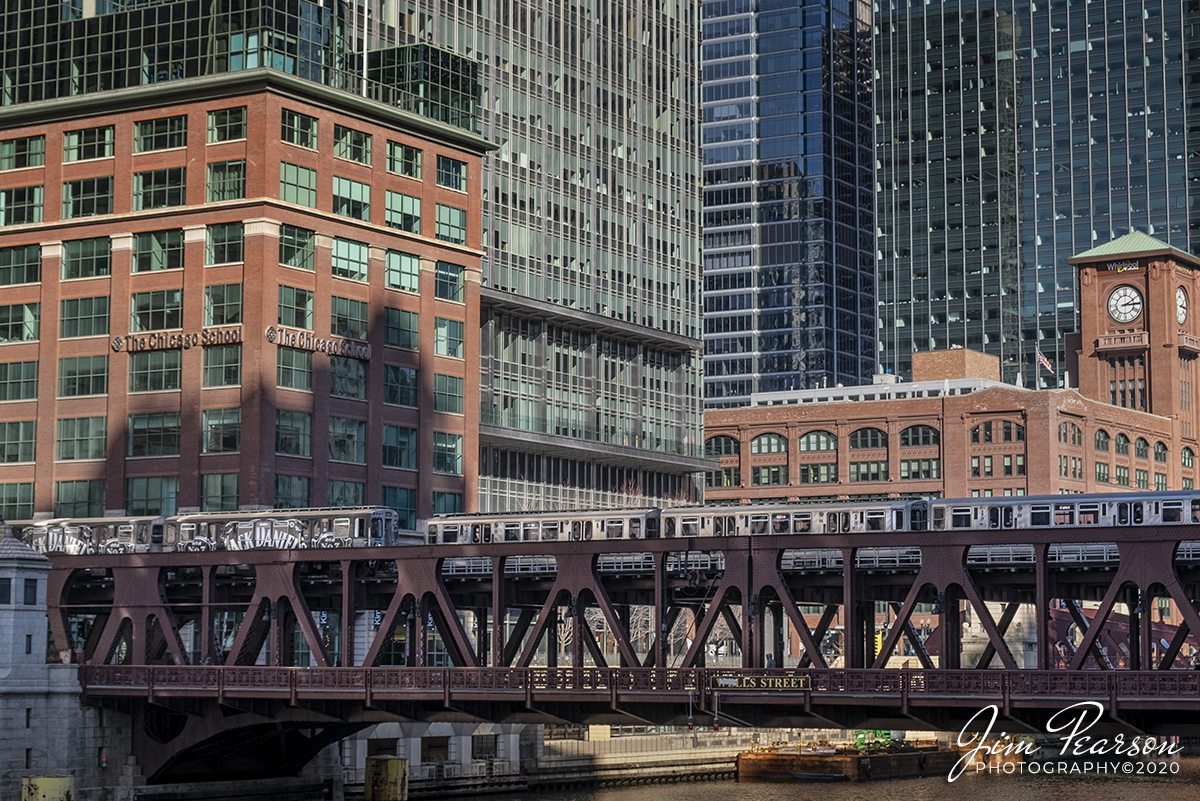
pixel 652 527
pixel 669 526
pixel 918 516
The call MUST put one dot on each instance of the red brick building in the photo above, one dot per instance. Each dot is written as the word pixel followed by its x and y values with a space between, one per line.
pixel 239 291
pixel 956 431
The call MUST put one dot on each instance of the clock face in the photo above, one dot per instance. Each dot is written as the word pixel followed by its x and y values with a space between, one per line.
pixel 1124 304
pixel 1181 305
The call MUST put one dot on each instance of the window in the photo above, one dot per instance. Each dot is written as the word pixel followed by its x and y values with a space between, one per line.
pixel 350 259
pixel 222 365
pixel 400 328
pixel 451 224
pixel 721 446
pixel 83 317
pixel 351 144
pixel 81 438
pixel 402 271
pixel 919 437
pixel 818 441
pixel 156 311
pixel 867 438
pixel 19 322
pixel 1121 445
pixel 79 498
pixel 1160 482
pixel 299 129
pixel 18 381
pixel 447 393
pixel 82 375
pixel 404 160
pixel 920 469
pixel 298 185
pixel 1160 452
pixel 452 173
pixel 223 304
pixel 292 492
pixel 1141 449
pixel 227 125
pixel 351 198
pixel 17 154
pixel 16 501
pixel 224 243
pixel 20 205
pixel 295 307
pixel 154 371
pixel 869 471
pixel 975 467
pixel 346 493
pixel 158 250
pixel 161 134
pixel 447 503
pixel 400 447
pixel 399 385
pixel 774 475
pixel 1143 479
pixel 86 258
pixel 294 369
pixel 31 597
pixel 226 180
pixel 725 477
pixel 21 265
pixel 220 430
pixel 818 473
pixel 219 492
pixel 17 441
pixel 153 434
pixel 348 378
pixel 1187 457
pixel 297 247
pixel 158 189
pixel 404 501
pixel 1012 432
pixel 1102 440
pixel 448 283
pixel 448 337
pixel 981 433
pixel 768 443
pixel 447 453
pixel 347 440
pixel 1122 475
pixel 87 197
pixel 1102 472
pixel 348 318
pixel 151 495
pixel 88 143
pixel 403 212
pixel 293 433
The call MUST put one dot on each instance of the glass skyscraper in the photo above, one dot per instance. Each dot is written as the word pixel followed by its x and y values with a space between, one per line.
pixel 1011 136
pixel 789 211
pixel 590 358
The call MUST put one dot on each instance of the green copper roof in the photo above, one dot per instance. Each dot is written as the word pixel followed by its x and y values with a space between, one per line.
pixel 1134 244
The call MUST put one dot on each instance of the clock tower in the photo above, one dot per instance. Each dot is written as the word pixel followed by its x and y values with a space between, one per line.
pixel 1140 338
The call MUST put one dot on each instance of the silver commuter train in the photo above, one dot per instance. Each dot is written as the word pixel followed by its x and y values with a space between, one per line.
pixel 218 531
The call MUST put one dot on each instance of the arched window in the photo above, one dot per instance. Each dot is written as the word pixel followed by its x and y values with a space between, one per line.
pixel 1012 432
pixel 1160 452
pixel 721 446
pixel 1141 449
pixel 865 438
pixel 1122 445
pixel 768 443
pixel 918 436
pixel 1188 457
pixel 1102 440
pixel 818 441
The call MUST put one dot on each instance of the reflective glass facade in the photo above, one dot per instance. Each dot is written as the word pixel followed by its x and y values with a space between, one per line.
pixel 789 261
pixel 1011 136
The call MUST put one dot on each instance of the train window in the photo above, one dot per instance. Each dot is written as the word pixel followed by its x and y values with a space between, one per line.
pixel 171 533
pixel 635 528
pixel 1006 517
pixel 690 526
pixel 758 524
pixel 718 527
pixel 669 527
pixel 1064 514
pixel 532 532
pixel 433 534
pixel 614 529
pixel 845 519
pixel 1039 515
pixel 839 522
pixel 897 520
pixel 450 533
pixel 876 520
pixel 1089 514
pixel 359 528
pixel 142 535
pixel 939 517
pixel 587 529
pixel 512 532
pixel 1172 511
pixel 377 530
pixel 802 522
pixel 187 532
pixel 993 517
pixel 651 528
pixel 550 530
pixel 960 517
pixel 1122 514
pixel 780 524
pixel 1139 511
pixel 341 528
pixel 1195 511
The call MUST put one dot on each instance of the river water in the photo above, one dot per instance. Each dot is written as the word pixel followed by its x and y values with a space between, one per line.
pixel 1184 786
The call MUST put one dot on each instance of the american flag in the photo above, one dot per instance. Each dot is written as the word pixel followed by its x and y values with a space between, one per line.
pixel 1043 361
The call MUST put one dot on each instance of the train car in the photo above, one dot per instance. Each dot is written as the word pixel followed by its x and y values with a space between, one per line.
pixel 1050 511
pixel 833 518
pixel 601 524
pixel 82 536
